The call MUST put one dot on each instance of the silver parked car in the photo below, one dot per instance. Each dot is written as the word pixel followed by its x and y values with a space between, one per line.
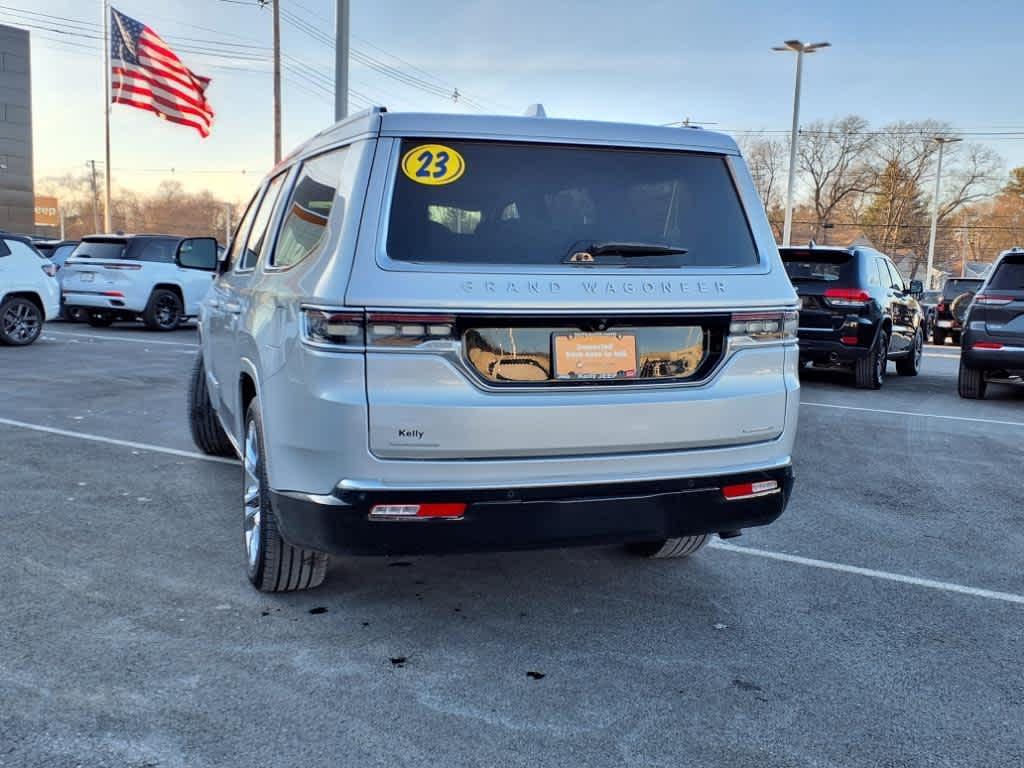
pixel 439 333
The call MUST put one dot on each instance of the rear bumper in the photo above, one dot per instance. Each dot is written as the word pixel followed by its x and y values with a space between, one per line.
pixel 98 301
pixel 1009 358
pixel 529 518
pixel 829 351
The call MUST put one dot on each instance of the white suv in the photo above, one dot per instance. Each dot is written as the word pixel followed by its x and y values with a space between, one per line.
pixel 443 333
pixel 29 293
pixel 125 277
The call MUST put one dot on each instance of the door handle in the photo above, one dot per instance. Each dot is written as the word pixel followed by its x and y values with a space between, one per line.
pixel 233 307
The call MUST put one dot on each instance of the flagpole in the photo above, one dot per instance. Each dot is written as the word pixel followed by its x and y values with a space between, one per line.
pixel 106 112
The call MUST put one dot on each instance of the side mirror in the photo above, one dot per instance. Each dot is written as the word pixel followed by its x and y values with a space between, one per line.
pixel 916 289
pixel 197 253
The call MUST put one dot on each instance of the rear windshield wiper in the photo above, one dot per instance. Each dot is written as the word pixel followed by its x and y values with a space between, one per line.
pixel 636 249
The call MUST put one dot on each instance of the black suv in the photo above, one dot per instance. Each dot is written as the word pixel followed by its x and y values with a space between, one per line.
pixel 856 312
pixel 993 341
pixel 952 308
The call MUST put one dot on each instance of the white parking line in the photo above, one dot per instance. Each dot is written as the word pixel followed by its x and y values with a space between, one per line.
pixel 115 441
pixel 899 578
pixel 48 332
pixel 943 356
pixel 914 413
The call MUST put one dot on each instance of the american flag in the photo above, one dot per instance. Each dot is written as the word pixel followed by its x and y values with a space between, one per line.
pixel 147 74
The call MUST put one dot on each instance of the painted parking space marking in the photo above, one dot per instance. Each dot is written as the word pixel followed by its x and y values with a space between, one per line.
pixel 115 441
pixel 975 419
pixel 48 332
pixel 899 578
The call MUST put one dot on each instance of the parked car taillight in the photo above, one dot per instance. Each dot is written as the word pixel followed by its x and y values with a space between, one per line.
pixel 993 301
pixel 847 297
pixel 404 330
pixel 328 327
pixel 941 307
pixel 50 269
pixel 762 327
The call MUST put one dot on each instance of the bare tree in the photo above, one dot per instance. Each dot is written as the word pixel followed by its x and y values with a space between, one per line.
pixel 836 155
pixel 766 158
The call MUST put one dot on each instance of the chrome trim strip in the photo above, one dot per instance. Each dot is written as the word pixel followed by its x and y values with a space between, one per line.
pixel 323 499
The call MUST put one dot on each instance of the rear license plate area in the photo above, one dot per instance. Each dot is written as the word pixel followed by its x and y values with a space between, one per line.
pixel 594 355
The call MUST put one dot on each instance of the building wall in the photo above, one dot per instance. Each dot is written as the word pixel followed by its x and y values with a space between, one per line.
pixel 17 194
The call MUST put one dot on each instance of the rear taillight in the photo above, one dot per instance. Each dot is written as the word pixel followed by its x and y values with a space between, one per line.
pixel 750 490
pixel 848 340
pixel 329 328
pixel 442 511
pixel 986 345
pixel 50 269
pixel 993 301
pixel 847 297
pixel 407 330
pixel 941 307
pixel 762 327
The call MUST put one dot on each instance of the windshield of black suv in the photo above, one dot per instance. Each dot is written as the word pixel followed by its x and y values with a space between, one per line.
pixel 1009 275
pixel 478 202
pixel 816 265
pixel 958 286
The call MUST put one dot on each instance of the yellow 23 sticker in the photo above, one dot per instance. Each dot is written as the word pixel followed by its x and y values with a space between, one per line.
pixel 433 164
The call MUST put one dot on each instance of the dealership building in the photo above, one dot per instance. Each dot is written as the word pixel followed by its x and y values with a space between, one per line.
pixel 17 194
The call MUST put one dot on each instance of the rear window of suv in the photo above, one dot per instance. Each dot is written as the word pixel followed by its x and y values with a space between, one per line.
pixel 103 249
pixel 538 204
pixel 954 288
pixel 823 266
pixel 1009 276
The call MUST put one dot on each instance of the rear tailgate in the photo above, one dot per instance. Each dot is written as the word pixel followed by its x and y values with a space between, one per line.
pixel 500 327
pixel 1003 300
pixel 98 265
pixel 813 272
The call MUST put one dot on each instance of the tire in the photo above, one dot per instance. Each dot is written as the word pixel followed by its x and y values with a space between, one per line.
pixel 971 383
pixel 164 311
pixel 938 337
pixel 684 546
pixel 273 565
pixel 869 372
pixel 99 319
pixel 911 364
pixel 21 322
pixel 207 433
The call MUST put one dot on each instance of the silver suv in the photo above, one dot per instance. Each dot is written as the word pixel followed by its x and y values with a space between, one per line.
pixel 439 333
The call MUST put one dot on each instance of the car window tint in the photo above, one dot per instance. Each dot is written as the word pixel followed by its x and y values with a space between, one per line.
pixel 1009 276
pixel 102 249
pixel 314 203
pixel 258 234
pixel 537 204
pixel 160 251
pixel 60 254
pixel 4 250
pixel 242 231
pixel 957 286
pixel 883 272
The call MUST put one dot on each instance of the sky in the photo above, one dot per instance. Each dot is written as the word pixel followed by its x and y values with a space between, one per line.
pixel 647 62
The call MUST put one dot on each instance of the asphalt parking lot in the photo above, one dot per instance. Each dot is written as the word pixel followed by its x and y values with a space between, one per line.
pixel 879 622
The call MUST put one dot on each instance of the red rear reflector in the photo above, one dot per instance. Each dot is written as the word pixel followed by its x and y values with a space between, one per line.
pixel 750 490
pixel 116 294
pixel 848 340
pixel 986 345
pixel 443 511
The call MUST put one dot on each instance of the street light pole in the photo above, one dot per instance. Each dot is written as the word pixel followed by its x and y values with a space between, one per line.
pixel 341 42
pixel 277 81
pixel 942 141
pixel 800 49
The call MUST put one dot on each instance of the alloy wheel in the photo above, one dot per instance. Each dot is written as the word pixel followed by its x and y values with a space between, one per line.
pixel 21 322
pixel 166 311
pixel 252 498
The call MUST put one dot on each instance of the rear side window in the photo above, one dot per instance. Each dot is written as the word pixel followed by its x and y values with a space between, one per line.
pixel 537 205
pixel 1009 275
pixel 896 279
pixel 809 265
pixel 258 234
pixel 61 253
pixel 310 208
pixel 104 249
pixel 160 251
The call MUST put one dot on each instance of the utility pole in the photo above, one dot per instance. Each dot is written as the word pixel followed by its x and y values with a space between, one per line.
pixel 95 199
pixel 277 81
pixel 942 141
pixel 800 49
pixel 963 246
pixel 341 43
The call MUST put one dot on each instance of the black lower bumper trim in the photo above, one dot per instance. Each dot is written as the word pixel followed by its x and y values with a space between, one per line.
pixel 535 518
